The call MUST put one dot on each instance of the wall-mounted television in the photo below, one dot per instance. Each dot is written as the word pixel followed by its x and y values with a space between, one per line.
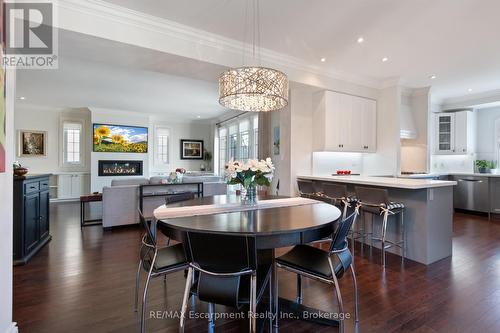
pixel 120 139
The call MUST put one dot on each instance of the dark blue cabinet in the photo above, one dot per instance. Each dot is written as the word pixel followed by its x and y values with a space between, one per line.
pixel 31 216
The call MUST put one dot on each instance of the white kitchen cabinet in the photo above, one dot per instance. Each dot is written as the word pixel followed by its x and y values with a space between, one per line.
pixel 72 186
pixel 454 133
pixel 344 122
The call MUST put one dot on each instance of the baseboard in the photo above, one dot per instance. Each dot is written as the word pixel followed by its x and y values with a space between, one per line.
pixel 12 328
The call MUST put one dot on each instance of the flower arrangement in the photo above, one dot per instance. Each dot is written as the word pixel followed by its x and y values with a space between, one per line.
pixel 250 174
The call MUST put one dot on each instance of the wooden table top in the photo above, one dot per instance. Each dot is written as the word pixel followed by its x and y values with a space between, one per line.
pixel 270 221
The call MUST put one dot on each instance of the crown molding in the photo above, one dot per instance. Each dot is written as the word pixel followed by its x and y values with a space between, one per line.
pixel 118 14
pixel 474 100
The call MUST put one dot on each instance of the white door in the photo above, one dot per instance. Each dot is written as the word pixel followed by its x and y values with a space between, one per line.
pixel 369 125
pixel 354 137
pixel 460 132
pixel 64 186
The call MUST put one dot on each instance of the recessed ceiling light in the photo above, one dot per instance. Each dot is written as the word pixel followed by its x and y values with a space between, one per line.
pixel 361 40
pixel 22 98
pixel 469 90
pixel 198 117
pixel 385 59
pixel 432 77
pixel 322 59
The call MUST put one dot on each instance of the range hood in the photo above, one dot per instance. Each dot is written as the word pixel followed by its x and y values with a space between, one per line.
pixel 408 130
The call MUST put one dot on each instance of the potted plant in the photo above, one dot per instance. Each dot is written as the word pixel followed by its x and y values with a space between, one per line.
pixel 19 170
pixel 249 175
pixel 484 166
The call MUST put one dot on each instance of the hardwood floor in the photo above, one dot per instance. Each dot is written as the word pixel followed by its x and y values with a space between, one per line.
pixel 84 282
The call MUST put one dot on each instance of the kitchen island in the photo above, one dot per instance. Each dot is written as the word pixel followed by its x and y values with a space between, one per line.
pixel 428 215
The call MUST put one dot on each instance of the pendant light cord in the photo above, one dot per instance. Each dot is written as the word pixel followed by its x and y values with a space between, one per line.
pixel 256 48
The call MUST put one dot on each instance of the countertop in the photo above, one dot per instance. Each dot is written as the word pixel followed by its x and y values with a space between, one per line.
pixel 404 183
pixel 437 174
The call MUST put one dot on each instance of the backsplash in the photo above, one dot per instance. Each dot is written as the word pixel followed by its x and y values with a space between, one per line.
pixel 326 163
pixel 452 163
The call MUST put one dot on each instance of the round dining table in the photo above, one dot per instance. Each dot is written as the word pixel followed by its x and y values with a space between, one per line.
pixel 272 228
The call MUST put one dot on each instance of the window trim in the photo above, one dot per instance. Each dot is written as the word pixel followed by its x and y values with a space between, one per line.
pixel 158 164
pixel 251 134
pixel 83 144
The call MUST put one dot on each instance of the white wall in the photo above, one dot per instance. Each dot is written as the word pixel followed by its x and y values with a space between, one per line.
pixel 6 324
pixel 385 162
pixel 46 118
pixel 178 131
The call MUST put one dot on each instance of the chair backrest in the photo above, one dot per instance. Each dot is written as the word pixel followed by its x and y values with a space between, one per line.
pixel 339 237
pixel 335 191
pixel 149 237
pixel 305 186
pixel 178 197
pixel 220 254
pixel 372 198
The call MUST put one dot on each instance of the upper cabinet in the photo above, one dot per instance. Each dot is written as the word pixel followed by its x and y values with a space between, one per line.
pixel 454 133
pixel 344 122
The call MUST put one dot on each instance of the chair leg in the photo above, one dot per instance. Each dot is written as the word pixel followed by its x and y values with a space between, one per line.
pixel 137 281
pixel 339 297
pixel 211 323
pixel 403 238
pixel 253 303
pixel 143 316
pixel 355 287
pixel 384 231
pixel 269 284
pixel 275 294
pixel 187 291
pixel 299 289
pixel 193 297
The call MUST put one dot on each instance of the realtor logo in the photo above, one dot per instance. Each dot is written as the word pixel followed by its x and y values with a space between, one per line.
pixel 31 39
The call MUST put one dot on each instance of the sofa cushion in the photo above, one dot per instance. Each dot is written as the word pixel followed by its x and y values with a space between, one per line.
pixel 129 181
pixel 157 179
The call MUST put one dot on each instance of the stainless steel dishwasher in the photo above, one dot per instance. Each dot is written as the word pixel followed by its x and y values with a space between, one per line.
pixel 472 193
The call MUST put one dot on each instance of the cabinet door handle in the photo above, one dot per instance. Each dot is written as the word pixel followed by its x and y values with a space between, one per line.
pixel 32 187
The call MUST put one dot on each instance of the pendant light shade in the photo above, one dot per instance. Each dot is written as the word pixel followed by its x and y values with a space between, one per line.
pixel 253 89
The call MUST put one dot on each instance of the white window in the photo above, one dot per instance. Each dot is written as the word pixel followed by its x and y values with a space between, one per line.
pixel 237 140
pixel 72 143
pixel 162 140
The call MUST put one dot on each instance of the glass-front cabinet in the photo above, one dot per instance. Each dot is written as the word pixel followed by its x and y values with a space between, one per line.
pixel 445 133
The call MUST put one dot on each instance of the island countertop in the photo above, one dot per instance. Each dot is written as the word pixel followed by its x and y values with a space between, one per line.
pixel 403 183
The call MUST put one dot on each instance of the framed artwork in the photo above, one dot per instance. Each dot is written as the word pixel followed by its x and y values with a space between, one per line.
pixel 32 143
pixel 120 139
pixel 276 140
pixel 191 149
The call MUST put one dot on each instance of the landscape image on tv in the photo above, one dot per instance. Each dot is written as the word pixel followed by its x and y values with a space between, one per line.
pixel 120 139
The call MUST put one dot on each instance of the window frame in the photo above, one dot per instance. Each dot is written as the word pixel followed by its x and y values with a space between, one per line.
pixel 159 164
pixel 251 131
pixel 71 166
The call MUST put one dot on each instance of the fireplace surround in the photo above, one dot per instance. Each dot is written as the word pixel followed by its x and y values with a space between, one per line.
pixel 120 168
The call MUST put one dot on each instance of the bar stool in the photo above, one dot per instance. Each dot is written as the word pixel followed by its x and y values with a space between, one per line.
pixel 338 196
pixel 307 189
pixel 376 201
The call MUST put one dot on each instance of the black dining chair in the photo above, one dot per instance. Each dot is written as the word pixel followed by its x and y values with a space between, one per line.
pixel 325 266
pixel 231 272
pixel 156 261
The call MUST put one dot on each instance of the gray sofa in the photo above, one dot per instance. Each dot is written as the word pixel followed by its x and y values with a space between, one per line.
pixel 120 201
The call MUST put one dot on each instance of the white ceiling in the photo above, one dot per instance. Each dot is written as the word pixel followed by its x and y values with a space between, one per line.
pixel 106 74
pixel 457 40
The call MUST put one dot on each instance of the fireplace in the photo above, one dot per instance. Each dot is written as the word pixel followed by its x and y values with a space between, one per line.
pixel 120 168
